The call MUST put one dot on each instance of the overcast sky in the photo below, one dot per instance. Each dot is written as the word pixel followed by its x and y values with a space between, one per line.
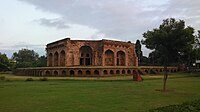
pixel 34 23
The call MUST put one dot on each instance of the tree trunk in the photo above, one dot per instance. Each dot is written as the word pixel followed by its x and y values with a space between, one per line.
pixel 165 78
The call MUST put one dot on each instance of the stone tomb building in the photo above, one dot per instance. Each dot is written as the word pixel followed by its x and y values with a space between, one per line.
pixel 66 52
pixel 90 58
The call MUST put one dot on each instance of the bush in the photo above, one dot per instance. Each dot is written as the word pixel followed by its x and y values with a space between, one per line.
pixel 193 106
pixel 29 79
pixel 2 77
pixel 43 79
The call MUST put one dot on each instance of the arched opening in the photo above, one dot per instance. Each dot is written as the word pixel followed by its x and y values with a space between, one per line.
pixel 129 72
pixel 62 58
pixel 64 73
pixel 56 59
pixel 71 72
pixel 123 72
pixel 47 73
pixel 50 59
pixel 117 72
pixel 109 58
pixel 85 55
pixel 55 73
pixel 111 72
pixel 96 72
pixel 80 72
pixel 88 72
pixel 121 58
pixel 105 72
pixel 146 71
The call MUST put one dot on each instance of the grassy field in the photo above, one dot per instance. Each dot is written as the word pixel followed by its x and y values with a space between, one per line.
pixel 112 94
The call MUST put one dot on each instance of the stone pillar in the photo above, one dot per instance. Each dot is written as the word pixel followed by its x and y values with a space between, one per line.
pixel 103 58
pixel 58 58
pixel 115 58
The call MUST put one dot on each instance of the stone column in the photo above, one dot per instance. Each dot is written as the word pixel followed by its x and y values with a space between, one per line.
pixel 115 58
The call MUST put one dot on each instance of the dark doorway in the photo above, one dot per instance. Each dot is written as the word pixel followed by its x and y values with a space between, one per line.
pixel 85 55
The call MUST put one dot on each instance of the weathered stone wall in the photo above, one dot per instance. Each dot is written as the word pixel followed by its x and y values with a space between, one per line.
pixel 68 52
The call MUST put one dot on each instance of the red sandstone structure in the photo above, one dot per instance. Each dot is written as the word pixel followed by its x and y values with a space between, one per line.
pixel 68 52
pixel 68 57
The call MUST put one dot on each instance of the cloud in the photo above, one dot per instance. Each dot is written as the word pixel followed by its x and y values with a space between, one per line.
pixel 122 19
pixel 58 23
pixel 185 9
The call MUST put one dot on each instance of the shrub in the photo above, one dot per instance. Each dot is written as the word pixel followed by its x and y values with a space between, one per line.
pixel 43 79
pixel 29 79
pixel 193 106
pixel 2 77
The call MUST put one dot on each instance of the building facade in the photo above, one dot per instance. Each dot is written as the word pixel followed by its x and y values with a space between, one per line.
pixel 91 58
pixel 66 52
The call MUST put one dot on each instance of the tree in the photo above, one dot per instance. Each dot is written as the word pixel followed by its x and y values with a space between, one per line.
pixel 4 62
pixel 196 51
pixel 42 61
pixel 171 41
pixel 154 59
pixel 25 58
pixel 138 51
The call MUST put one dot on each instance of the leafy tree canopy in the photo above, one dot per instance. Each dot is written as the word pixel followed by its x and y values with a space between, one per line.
pixel 25 55
pixel 171 41
pixel 28 58
pixel 4 62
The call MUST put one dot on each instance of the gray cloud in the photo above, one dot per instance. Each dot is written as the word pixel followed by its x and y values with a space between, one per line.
pixel 123 19
pixel 58 23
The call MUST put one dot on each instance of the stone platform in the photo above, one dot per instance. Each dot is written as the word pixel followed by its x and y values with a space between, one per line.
pixel 92 71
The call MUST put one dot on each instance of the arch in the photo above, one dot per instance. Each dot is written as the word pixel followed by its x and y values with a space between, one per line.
pixel 85 55
pixel 96 72
pixel 47 73
pixel 123 72
pixel 55 73
pixel 129 72
pixel 105 72
pixel 117 72
pixel 71 72
pixel 62 58
pixel 80 72
pixel 87 72
pixel 50 59
pixel 111 72
pixel 56 59
pixel 64 73
pixel 109 58
pixel 121 58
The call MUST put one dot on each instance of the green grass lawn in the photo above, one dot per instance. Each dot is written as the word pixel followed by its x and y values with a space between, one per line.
pixel 112 94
